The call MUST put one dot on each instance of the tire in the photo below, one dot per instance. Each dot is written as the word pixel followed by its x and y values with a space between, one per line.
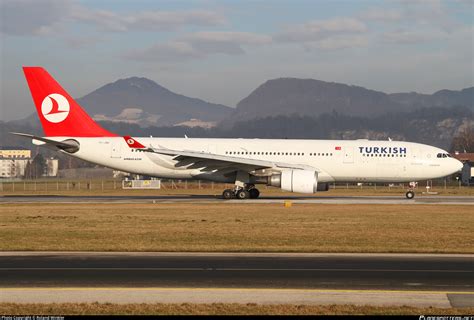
pixel 254 193
pixel 243 194
pixel 410 195
pixel 228 194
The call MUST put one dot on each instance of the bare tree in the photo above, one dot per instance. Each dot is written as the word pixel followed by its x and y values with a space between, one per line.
pixel 464 141
pixel 36 168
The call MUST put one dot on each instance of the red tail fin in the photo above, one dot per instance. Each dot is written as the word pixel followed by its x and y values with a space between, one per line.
pixel 60 115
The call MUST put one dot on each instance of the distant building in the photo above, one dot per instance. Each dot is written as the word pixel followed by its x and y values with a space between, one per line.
pixel 52 166
pixel 13 161
pixel 467 173
pixel 12 167
pixel 15 152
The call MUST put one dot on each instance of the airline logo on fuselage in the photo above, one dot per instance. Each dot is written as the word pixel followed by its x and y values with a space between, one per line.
pixel 55 108
pixel 383 150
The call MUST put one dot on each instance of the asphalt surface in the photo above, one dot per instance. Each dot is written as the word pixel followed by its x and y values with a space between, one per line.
pixel 297 271
pixel 188 198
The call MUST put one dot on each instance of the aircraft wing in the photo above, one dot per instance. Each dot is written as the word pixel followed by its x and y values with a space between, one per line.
pixel 210 161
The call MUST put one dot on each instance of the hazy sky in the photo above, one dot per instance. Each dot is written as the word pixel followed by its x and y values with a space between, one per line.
pixel 220 51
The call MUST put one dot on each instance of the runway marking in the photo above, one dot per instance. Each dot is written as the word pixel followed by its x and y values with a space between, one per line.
pixel 421 292
pixel 235 269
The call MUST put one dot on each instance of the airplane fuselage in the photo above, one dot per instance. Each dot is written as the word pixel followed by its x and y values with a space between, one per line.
pixel 335 160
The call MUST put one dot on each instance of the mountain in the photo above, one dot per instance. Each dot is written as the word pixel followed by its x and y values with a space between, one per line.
pixel 309 97
pixel 286 96
pixel 143 101
pixel 442 98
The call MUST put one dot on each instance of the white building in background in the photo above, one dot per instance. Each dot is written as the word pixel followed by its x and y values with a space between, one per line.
pixel 13 161
pixel 6 169
pixel 12 168
pixel 52 166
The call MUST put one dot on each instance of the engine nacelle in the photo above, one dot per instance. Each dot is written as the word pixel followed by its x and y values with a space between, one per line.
pixel 301 181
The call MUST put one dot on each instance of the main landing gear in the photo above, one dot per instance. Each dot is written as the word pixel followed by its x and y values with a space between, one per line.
pixel 248 192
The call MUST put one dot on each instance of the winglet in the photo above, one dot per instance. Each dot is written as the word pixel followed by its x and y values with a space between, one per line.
pixel 132 143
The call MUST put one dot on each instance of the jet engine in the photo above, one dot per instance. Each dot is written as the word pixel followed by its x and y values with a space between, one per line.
pixel 302 181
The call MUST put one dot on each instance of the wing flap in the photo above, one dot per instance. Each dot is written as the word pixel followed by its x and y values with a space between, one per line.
pixel 203 159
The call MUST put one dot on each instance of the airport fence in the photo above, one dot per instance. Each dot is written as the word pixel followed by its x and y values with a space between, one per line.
pixel 64 185
pixel 96 185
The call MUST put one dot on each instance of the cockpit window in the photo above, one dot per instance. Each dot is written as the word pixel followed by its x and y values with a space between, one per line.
pixel 443 155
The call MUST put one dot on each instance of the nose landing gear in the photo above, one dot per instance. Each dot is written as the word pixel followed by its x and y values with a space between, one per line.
pixel 410 194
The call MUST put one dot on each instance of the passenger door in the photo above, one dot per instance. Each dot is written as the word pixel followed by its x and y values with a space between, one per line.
pixel 116 149
pixel 348 156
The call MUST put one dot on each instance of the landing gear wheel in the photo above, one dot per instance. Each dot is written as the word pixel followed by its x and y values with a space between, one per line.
pixel 243 194
pixel 254 193
pixel 227 194
pixel 410 194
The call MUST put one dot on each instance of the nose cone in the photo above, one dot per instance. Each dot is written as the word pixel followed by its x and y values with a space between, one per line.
pixel 456 165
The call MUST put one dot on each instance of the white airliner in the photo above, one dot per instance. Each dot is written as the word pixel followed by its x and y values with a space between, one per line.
pixel 304 166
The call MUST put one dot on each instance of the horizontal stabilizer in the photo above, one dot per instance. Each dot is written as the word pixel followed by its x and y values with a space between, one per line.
pixel 68 145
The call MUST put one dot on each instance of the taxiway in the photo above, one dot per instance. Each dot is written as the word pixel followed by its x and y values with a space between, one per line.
pixel 386 279
pixel 436 200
